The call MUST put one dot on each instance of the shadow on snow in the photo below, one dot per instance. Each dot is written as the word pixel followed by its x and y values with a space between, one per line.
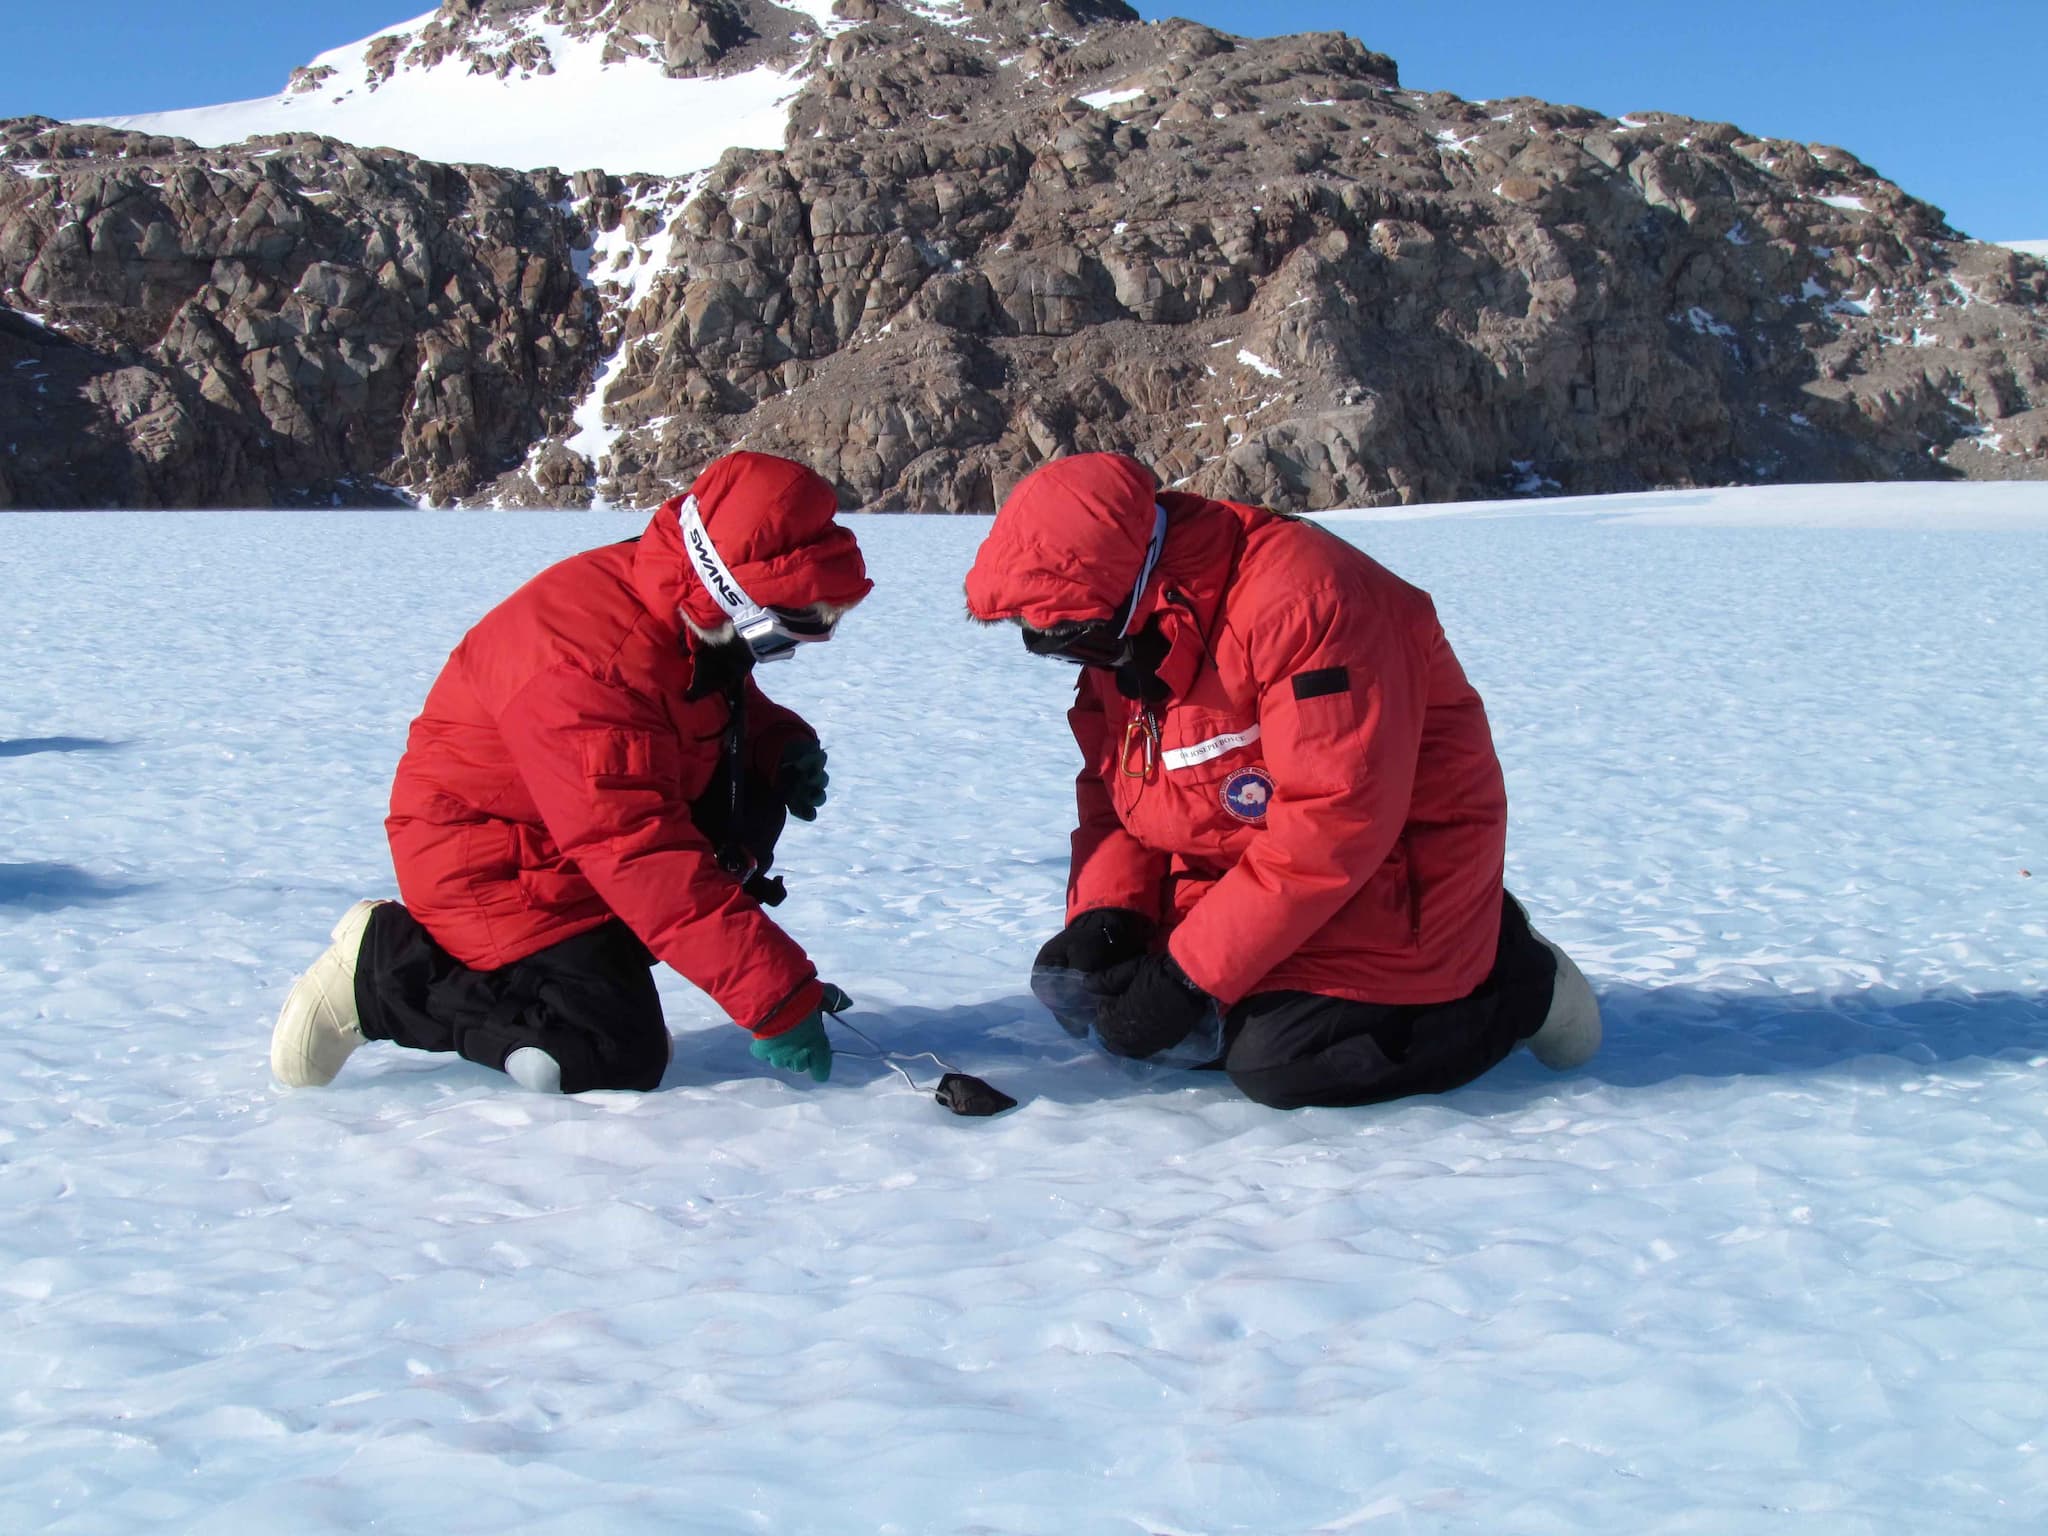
pixel 1653 1035
pixel 1658 1034
pixel 29 745
pixel 57 885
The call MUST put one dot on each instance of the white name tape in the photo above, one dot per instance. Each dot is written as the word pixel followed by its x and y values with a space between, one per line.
pixel 1206 751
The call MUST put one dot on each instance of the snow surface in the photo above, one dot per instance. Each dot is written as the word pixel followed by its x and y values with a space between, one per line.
pixel 1773 1262
pixel 820 13
pixel 1703 323
pixel 2031 247
pixel 622 117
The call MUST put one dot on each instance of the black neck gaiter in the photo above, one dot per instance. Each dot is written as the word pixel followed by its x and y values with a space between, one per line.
pixel 719 666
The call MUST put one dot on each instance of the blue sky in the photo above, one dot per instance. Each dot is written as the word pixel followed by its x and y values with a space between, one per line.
pixel 1942 96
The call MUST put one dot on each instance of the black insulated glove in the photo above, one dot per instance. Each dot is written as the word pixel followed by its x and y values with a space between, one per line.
pixel 801 778
pixel 1096 940
pixel 1147 1006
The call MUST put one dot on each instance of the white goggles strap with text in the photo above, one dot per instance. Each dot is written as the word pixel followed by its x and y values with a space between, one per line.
pixel 723 586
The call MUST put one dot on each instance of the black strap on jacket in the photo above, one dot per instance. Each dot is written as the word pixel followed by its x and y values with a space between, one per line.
pixel 727 678
pixel 733 857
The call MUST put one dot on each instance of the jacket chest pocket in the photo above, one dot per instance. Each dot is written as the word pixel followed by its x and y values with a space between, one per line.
pixel 1208 783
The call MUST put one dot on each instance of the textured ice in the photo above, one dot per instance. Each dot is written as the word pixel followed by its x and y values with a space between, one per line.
pixel 1774 1261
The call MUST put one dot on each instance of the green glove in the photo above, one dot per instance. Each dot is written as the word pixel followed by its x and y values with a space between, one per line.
pixel 805 1048
pixel 800 778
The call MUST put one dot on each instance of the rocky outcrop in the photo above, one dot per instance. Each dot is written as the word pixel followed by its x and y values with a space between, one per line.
pixel 685 37
pixel 1023 230
pixel 297 320
pixel 1271 273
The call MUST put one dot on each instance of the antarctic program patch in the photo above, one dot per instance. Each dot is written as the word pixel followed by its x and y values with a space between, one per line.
pixel 1246 792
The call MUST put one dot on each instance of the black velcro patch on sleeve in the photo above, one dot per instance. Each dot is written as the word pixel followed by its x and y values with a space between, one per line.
pixel 1313 685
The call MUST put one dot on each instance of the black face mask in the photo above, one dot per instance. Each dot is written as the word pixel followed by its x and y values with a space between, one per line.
pixel 719 666
pixel 1137 676
pixel 1094 643
pixel 1134 659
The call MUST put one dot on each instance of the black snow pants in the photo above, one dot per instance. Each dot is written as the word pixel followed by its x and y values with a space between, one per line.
pixel 1290 1050
pixel 590 1001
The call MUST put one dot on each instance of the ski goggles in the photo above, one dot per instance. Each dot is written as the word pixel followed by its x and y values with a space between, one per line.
pixel 773 634
pixel 1101 642
pixel 1090 643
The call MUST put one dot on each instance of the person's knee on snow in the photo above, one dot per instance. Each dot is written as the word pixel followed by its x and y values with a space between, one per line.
pixel 631 1057
pixel 588 1003
pixel 534 1069
pixel 1296 1050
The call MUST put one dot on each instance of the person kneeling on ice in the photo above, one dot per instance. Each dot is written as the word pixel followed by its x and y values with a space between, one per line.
pixel 596 783
pixel 1290 806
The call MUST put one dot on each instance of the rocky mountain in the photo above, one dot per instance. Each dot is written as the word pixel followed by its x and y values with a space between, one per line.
pixel 993 232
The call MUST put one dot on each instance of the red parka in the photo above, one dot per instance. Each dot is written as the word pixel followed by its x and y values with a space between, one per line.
pixel 546 785
pixel 1319 807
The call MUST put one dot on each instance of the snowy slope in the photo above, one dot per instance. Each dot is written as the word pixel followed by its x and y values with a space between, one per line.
pixel 621 117
pixel 2031 247
pixel 1774 1262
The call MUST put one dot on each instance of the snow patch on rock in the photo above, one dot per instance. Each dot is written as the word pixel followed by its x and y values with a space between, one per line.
pixel 622 116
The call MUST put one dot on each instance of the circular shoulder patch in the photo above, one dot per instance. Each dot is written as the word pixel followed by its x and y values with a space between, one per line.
pixel 1246 792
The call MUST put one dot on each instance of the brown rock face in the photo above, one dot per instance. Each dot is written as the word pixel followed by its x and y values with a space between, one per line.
pixel 1263 267
pixel 297 319
pixel 1271 273
pixel 686 37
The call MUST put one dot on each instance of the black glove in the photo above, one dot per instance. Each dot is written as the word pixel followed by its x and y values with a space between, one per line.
pixel 1096 940
pixel 1147 1006
pixel 800 778
pixel 768 890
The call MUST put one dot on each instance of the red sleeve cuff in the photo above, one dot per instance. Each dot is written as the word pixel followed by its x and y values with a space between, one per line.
pixel 791 1011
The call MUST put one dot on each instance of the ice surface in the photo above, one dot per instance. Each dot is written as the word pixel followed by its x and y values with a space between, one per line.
pixel 1774 1261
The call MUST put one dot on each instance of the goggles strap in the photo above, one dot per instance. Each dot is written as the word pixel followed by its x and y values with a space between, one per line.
pixel 720 582
pixel 1145 571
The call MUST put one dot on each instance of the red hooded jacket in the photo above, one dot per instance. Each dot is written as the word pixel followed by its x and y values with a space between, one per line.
pixel 1318 808
pixel 546 784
